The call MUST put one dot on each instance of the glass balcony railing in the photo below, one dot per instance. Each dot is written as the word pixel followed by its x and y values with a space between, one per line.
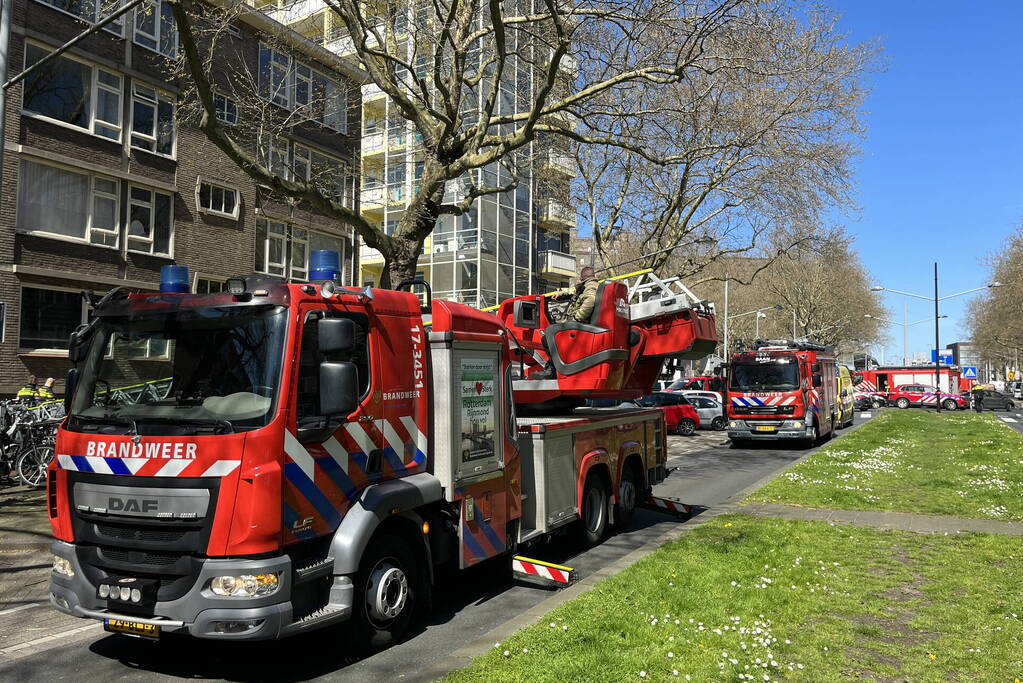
pixel 557 264
pixel 558 162
pixel 556 212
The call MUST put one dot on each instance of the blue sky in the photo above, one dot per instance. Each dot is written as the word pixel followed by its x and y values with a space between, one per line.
pixel 941 176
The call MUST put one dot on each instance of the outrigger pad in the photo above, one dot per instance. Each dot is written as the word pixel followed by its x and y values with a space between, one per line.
pixel 540 573
pixel 672 506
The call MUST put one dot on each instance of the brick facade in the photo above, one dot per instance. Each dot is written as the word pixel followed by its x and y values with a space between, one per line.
pixel 211 246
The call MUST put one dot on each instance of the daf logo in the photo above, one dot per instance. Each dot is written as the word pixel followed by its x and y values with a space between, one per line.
pixel 133 504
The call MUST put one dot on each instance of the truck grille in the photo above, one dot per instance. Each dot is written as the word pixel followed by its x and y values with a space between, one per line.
pixel 168 550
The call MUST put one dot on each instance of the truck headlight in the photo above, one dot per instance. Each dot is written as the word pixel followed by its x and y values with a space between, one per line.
pixel 62 567
pixel 798 424
pixel 733 423
pixel 244 585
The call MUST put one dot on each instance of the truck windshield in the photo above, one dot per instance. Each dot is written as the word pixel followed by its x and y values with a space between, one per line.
pixel 774 376
pixel 205 368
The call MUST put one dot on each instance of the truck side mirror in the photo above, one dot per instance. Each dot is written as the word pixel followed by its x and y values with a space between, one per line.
pixel 816 368
pixel 339 388
pixel 335 334
pixel 818 381
pixel 70 384
pixel 526 313
pixel 78 343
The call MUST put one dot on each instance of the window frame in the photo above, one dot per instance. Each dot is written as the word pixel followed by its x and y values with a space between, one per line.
pixel 117 27
pixel 200 181
pixel 94 87
pixel 288 236
pixel 86 239
pixel 151 240
pixel 159 96
pixel 46 350
pixel 296 71
pixel 227 101
pixel 157 37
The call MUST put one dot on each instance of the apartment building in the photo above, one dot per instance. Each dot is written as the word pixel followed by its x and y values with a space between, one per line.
pixel 105 180
pixel 508 244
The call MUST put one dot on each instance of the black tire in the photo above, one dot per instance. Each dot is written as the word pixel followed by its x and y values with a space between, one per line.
pixel 32 465
pixel 719 423
pixel 902 402
pixel 388 579
pixel 628 497
pixel 686 427
pixel 592 524
pixel 877 404
pixel 1010 405
pixel 949 405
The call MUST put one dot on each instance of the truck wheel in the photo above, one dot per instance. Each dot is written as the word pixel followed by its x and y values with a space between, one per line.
pixel 592 524
pixel 385 593
pixel 686 427
pixel 903 403
pixel 628 492
pixel 949 405
pixel 718 423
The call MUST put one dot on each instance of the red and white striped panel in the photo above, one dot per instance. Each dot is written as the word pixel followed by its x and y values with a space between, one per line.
pixel 670 505
pixel 147 467
pixel 866 385
pixel 521 565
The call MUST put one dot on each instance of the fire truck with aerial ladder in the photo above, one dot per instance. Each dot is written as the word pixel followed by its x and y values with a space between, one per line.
pixel 311 454
pixel 783 390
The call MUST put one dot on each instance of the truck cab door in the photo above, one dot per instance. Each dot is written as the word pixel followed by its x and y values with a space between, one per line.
pixel 327 459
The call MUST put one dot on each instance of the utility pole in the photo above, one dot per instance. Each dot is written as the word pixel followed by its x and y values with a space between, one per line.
pixel 905 333
pixel 793 324
pixel 937 345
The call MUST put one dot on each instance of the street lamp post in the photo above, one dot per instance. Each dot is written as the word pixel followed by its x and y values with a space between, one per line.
pixel 759 316
pixel 905 328
pixel 937 320
pixel 758 311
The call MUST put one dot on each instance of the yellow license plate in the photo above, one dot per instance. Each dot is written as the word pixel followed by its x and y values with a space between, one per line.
pixel 764 428
pixel 132 628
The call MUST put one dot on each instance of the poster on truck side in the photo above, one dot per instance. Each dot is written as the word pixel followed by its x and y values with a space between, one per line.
pixel 478 377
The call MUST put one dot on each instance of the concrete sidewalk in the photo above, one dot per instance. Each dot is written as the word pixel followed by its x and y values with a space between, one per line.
pixel 25 612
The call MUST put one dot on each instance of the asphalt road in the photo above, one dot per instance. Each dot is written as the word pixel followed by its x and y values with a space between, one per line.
pixel 466 607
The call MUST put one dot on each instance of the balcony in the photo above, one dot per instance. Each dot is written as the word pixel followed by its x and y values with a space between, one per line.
pixel 556 214
pixel 289 13
pixel 369 254
pixel 372 144
pixel 555 265
pixel 340 42
pixel 554 161
pixel 372 199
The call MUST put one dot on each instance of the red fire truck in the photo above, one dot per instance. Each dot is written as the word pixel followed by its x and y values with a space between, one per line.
pixel 782 390
pixel 884 380
pixel 274 458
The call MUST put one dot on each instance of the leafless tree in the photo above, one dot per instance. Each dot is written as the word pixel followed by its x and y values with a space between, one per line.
pixel 996 317
pixel 759 137
pixel 692 95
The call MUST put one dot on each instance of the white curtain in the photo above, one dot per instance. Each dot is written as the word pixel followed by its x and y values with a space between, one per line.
pixel 53 200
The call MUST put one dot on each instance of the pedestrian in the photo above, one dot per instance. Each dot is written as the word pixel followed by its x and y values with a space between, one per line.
pixel 978 399
pixel 46 391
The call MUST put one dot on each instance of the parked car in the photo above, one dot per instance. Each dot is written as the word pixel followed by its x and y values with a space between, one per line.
pixel 702 382
pixel 906 395
pixel 706 394
pixel 680 416
pixel 709 410
pixel 1014 388
pixel 996 400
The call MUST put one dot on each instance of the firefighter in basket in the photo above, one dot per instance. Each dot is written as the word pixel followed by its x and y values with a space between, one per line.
pixel 582 300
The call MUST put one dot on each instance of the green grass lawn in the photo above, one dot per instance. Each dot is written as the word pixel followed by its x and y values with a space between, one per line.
pixel 961 464
pixel 759 599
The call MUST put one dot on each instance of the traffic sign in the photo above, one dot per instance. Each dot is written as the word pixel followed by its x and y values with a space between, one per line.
pixel 970 372
pixel 1012 374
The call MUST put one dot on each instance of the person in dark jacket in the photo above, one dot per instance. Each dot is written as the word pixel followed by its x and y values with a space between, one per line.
pixel 978 399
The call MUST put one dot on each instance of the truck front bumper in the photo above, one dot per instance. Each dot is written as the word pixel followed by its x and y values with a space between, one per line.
pixel 199 612
pixel 742 430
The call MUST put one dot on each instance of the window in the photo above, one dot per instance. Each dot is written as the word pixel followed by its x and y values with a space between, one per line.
pixel 217 199
pixel 329 174
pixel 284 250
pixel 152 120
pixel 208 285
pixel 91 11
pixel 226 109
pixel 294 85
pixel 150 222
pixel 308 419
pixel 155 27
pixel 274 155
pixel 74 93
pixel 64 203
pixel 48 317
